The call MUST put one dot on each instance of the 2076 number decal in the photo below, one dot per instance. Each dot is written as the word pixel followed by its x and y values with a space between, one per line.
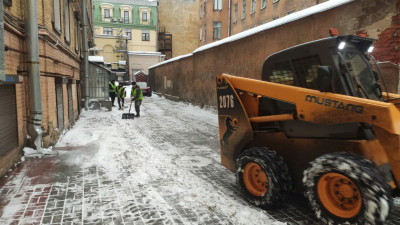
pixel 226 101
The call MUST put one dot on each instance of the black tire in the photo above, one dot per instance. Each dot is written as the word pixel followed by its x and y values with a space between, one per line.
pixel 149 94
pixel 367 202
pixel 278 183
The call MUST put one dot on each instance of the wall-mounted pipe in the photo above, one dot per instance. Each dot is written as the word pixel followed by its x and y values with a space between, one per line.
pixel 2 55
pixel 33 67
pixel 85 50
pixel 229 18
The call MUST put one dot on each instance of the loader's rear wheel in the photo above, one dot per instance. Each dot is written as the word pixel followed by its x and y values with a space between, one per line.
pixel 344 188
pixel 262 176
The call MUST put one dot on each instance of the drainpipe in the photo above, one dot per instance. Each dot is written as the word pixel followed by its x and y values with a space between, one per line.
pixel 229 18
pixel 85 50
pixel 33 66
pixel 2 55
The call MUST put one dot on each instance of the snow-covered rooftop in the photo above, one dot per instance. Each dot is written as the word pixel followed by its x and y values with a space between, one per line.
pixel 145 53
pixel 171 60
pixel 96 58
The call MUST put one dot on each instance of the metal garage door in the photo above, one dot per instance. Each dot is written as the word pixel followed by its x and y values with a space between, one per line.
pixel 70 105
pixel 8 119
pixel 60 108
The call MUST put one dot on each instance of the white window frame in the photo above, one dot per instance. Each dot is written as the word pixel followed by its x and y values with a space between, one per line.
pixel 144 36
pixel 126 20
pixel 67 24
pixel 128 33
pixel 217 4
pixel 108 29
pixel 57 15
pixel 144 10
pixel 275 1
pixel 145 18
pixel 105 14
pixel 217 30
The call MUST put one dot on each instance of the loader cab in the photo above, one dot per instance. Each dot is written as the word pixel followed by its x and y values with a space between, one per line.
pixel 336 64
pixel 345 56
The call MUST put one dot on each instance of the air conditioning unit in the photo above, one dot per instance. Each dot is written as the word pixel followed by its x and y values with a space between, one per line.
pixel 107 20
pixel 114 20
pixel 121 20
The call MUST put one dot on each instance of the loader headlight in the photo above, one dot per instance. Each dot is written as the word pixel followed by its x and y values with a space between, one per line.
pixel 370 49
pixel 341 45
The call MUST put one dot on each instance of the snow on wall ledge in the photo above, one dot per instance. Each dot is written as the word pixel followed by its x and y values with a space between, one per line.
pixel 284 20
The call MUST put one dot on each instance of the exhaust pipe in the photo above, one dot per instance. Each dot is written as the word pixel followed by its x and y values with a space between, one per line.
pixel 32 59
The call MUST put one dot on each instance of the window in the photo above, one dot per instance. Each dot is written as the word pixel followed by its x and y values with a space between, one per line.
pixel 145 35
pixel 263 4
pixel 107 13
pixel 205 7
pixel 205 32
pixel 201 34
pixel 217 4
pixel 235 16
pixel 144 16
pixel 282 73
pixel 201 11
pixel 129 34
pixel 57 15
pixel 66 22
pixel 76 35
pixel 107 31
pixel 306 69
pixel 253 6
pixel 126 16
pixel 243 9
pixel 275 1
pixel 217 30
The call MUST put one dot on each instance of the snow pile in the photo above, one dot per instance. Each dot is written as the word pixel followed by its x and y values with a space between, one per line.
pixel 30 152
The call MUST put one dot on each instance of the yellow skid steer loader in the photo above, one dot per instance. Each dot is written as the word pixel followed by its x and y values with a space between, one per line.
pixel 317 123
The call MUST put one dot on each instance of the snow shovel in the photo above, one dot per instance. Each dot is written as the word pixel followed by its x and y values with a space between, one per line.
pixel 128 115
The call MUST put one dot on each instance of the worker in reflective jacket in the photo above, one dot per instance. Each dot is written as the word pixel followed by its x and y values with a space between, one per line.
pixel 121 95
pixel 137 96
pixel 112 88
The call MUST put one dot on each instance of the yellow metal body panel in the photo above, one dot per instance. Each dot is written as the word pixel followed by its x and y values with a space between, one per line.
pixel 320 108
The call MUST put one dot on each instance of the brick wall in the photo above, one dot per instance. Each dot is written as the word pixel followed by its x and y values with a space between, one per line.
pixel 387 47
pixel 193 78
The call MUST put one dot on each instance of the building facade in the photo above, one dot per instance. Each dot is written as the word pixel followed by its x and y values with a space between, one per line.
pixel 121 26
pixel 220 19
pixel 57 53
pixel 178 33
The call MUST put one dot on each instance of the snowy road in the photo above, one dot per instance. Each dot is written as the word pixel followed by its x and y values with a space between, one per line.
pixel 161 168
pixel 160 162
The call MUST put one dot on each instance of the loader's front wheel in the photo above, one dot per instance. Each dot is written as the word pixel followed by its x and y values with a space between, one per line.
pixel 344 188
pixel 262 176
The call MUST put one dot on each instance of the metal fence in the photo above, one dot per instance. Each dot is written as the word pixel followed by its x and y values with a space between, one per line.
pixel 99 78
